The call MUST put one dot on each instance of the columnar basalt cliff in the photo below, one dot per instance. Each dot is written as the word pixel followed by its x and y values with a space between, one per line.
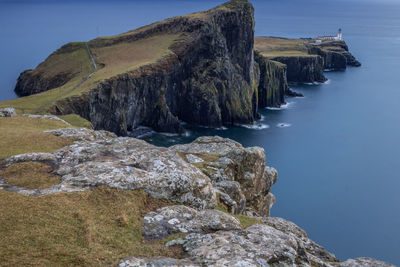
pixel 303 69
pixel 273 82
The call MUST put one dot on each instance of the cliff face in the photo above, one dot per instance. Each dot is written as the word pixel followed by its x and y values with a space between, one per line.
pixel 209 78
pixel 336 55
pixel 303 69
pixel 273 82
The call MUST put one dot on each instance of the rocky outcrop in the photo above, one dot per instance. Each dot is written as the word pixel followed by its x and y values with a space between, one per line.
pixel 238 173
pixel 335 54
pixel 7 112
pixel 303 69
pixel 275 242
pixel 192 174
pixel 181 219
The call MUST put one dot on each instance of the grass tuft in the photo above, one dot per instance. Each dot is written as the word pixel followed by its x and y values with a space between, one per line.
pixel 31 175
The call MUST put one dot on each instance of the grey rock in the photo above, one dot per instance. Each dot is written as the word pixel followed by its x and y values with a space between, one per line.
pixel 127 163
pixel 156 262
pixel 315 252
pixel 7 112
pixel 258 245
pixel 82 134
pixel 364 262
pixel 49 117
pixel 181 219
pixel 236 171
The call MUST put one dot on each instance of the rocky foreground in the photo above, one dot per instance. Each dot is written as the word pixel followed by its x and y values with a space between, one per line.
pixel 214 182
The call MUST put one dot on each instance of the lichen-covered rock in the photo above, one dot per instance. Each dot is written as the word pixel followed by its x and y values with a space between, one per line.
pixel 237 171
pixel 7 112
pixel 127 163
pixel 315 252
pixel 364 262
pixel 49 117
pixel 181 219
pixel 82 134
pixel 156 262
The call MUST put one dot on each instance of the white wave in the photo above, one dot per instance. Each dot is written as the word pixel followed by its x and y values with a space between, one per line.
pixel 284 106
pixel 283 125
pixel 255 126
pixel 327 82
pixel 223 128
pixel 169 134
pixel 145 134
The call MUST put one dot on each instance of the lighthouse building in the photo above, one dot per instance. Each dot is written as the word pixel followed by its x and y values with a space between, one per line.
pixel 338 37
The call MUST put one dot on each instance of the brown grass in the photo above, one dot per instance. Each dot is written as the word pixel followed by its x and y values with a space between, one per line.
pixel 274 47
pixel 20 135
pixel 31 175
pixel 93 228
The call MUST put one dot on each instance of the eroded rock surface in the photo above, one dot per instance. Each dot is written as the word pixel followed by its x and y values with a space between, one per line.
pixel 238 172
pixel 189 174
pixel 181 219
pixel 364 262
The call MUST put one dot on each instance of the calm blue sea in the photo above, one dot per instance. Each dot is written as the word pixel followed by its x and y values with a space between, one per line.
pixel 339 157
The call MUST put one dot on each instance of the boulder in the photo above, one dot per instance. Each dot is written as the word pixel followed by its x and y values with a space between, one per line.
pixel 7 112
pixel 181 219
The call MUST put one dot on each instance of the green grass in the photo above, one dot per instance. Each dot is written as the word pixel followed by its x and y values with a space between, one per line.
pixel 92 228
pixel 20 135
pixel 77 121
pixel 116 59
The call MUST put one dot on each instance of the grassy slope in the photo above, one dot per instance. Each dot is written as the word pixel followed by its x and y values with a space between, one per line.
pixel 23 135
pixel 93 228
pixel 275 47
pixel 116 59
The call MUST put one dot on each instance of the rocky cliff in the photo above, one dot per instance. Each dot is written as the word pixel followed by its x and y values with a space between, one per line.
pixel 335 54
pixel 303 69
pixel 273 82
pixel 206 76
pixel 305 59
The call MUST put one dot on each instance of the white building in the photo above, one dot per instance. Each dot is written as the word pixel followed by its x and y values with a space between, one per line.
pixel 338 37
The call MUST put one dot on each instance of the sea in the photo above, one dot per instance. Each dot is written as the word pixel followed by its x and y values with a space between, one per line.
pixel 337 150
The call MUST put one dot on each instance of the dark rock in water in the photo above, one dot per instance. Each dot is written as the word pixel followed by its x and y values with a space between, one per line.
pixel 290 92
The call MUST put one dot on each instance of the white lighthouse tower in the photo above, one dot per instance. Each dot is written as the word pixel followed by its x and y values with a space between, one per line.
pixel 339 35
